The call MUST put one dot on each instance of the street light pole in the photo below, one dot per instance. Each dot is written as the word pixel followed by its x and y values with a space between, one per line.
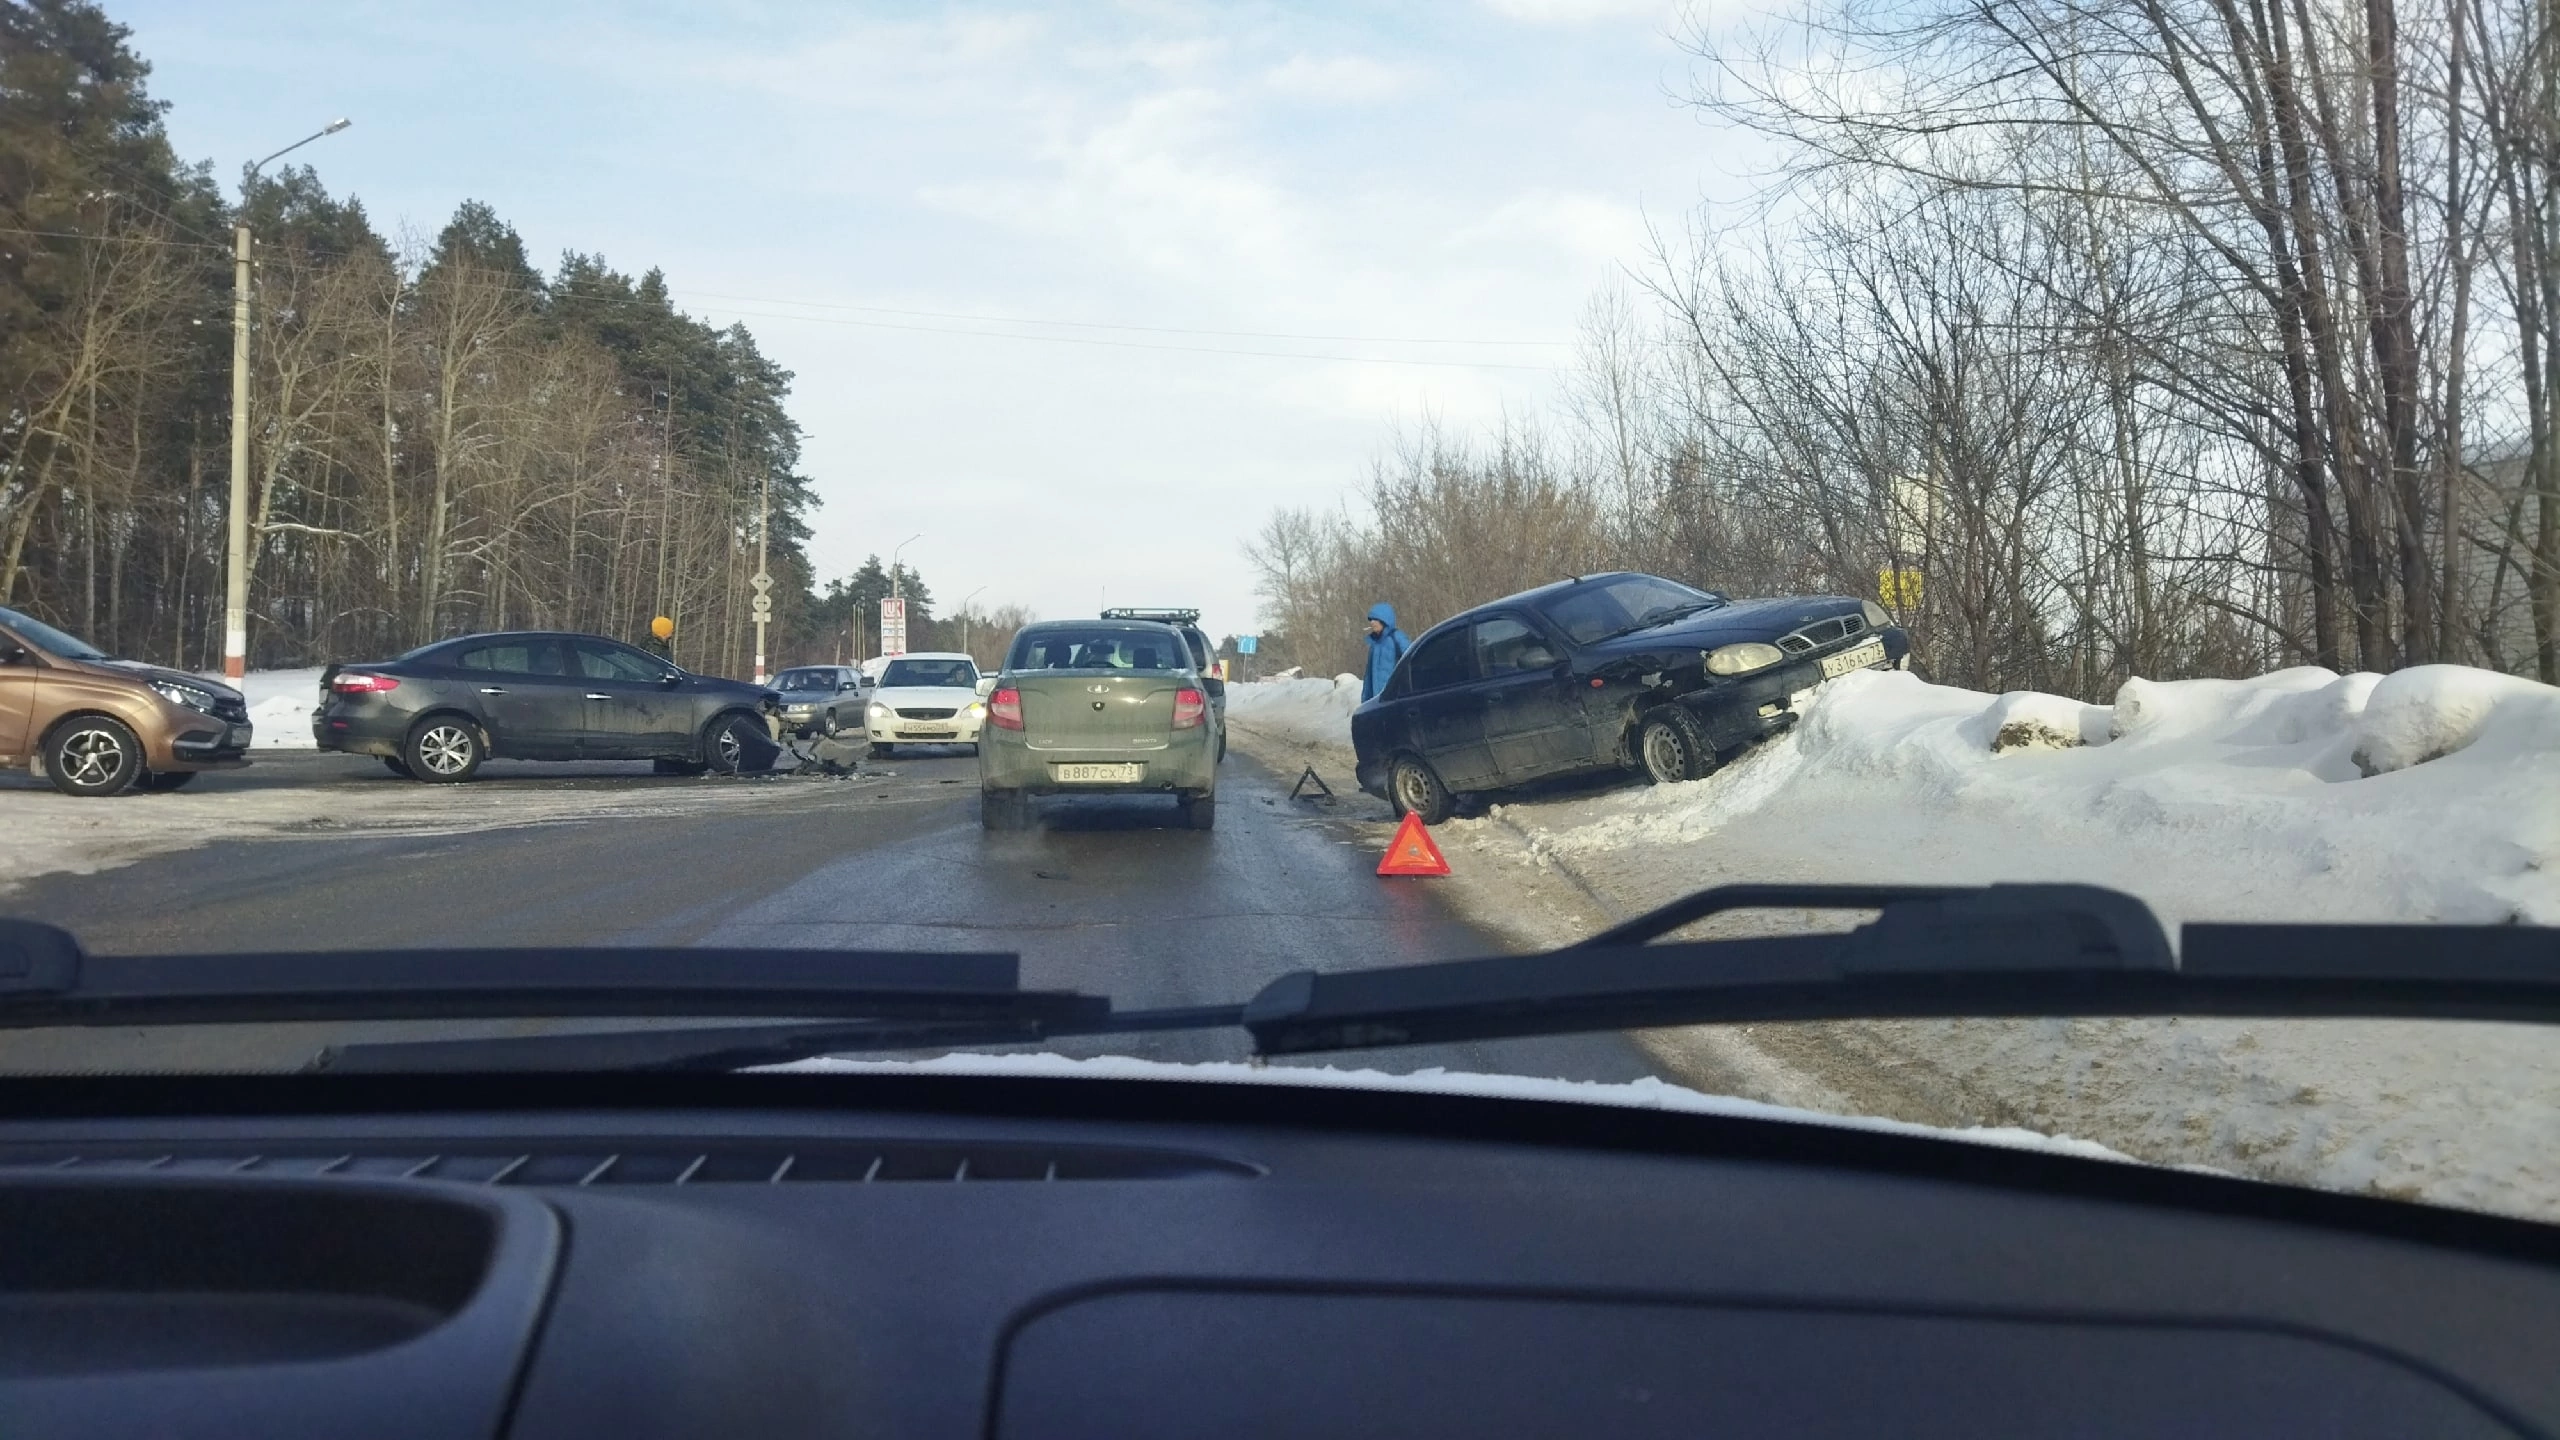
pixel 235 600
pixel 968 622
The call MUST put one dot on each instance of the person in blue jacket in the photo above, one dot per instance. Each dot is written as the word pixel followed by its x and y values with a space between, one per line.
pixel 1387 645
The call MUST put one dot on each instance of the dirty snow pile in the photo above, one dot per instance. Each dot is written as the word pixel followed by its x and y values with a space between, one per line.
pixel 2432 794
pixel 1308 714
pixel 280 706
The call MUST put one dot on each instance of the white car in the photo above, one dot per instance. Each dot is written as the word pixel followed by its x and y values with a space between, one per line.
pixel 925 700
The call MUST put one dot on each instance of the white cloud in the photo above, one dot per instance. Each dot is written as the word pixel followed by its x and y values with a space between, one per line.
pixel 1580 12
pixel 1338 79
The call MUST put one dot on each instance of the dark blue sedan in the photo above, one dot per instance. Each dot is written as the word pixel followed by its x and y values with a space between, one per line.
pixel 1604 672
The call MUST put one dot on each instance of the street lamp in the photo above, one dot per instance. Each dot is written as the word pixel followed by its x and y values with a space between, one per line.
pixel 967 621
pixel 235 603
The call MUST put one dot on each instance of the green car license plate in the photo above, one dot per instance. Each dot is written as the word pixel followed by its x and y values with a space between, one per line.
pixel 1098 774
pixel 1835 666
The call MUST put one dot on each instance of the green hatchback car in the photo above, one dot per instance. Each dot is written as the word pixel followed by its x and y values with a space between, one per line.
pixel 1097 707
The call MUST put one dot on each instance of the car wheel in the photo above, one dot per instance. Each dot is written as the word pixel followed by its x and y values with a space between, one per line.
pixel 1222 747
pixel 1414 788
pixel 1200 812
pixel 1671 746
pixel 159 780
pixel 443 750
pixel 396 766
pixel 734 744
pixel 664 766
pixel 92 756
pixel 1003 810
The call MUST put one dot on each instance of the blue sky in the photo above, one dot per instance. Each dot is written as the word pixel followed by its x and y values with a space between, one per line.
pixel 1450 172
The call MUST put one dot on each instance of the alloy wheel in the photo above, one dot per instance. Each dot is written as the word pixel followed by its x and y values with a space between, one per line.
pixel 92 757
pixel 445 749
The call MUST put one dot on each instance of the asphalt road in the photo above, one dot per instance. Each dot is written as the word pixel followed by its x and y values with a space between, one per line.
pixel 1104 896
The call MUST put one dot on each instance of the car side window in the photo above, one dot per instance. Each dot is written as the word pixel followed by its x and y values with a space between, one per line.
pixel 1505 646
pixel 1440 661
pixel 598 660
pixel 512 657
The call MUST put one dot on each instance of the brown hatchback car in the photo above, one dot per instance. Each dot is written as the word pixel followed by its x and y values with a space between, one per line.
pixel 96 725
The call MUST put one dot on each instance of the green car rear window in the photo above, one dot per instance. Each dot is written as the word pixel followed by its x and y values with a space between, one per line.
pixel 1099 647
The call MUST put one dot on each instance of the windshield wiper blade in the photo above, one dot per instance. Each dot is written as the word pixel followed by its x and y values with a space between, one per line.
pixel 46 980
pixel 741 1047
pixel 2017 951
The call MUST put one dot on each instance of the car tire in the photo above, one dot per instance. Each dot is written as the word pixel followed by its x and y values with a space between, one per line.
pixel 737 744
pixel 1222 747
pixel 1671 746
pixel 443 750
pixel 158 781
pixel 397 766
pixel 1003 810
pixel 664 766
pixel 93 756
pixel 1200 812
pixel 1414 788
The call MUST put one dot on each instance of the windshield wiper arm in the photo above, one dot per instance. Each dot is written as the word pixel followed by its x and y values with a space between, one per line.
pixel 46 980
pixel 2001 951
pixel 1662 616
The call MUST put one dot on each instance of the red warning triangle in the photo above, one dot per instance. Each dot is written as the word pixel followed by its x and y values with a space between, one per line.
pixel 1411 852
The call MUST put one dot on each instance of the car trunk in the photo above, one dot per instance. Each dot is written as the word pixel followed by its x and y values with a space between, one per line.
pixel 1097 709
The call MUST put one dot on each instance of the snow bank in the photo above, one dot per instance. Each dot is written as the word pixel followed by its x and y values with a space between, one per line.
pixel 1310 714
pixel 280 706
pixel 2429 795
pixel 1647 1094
pixel 2432 794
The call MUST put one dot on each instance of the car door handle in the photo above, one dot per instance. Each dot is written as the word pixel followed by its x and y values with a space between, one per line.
pixel 594 696
pixel 493 690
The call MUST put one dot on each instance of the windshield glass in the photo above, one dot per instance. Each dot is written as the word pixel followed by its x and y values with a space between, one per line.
pixel 1646 446
pixel 1099 647
pixel 57 642
pixel 959 674
pixel 1621 603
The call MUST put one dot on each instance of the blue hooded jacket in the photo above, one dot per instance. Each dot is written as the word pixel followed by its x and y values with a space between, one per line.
pixel 1385 649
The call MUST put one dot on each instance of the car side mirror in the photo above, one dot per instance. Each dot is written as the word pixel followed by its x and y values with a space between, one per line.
pixel 986 684
pixel 671 680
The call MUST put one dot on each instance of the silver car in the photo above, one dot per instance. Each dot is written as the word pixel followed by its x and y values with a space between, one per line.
pixel 1097 707
pixel 818 699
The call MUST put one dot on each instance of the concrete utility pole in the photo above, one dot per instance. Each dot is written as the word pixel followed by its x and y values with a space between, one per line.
pixel 235 603
pixel 968 622
pixel 763 604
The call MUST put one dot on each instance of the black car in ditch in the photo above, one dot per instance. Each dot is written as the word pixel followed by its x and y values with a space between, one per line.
pixel 435 713
pixel 1603 672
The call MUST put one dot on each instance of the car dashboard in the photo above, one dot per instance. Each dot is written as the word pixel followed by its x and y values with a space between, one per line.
pixel 807 1254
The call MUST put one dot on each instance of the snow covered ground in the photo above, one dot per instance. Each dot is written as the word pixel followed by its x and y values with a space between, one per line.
pixel 2429 795
pixel 280 706
pixel 1308 717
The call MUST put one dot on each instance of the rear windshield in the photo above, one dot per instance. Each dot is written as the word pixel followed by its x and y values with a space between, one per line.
pixel 903 674
pixel 1098 647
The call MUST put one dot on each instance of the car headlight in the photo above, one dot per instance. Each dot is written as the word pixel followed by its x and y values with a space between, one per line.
pixel 190 696
pixel 978 710
pixel 878 712
pixel 1743 659
pixel 1876 618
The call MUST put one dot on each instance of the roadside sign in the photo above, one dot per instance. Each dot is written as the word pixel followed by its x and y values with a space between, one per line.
pixel 893 625
pixel 1246 644
pixel 1899 589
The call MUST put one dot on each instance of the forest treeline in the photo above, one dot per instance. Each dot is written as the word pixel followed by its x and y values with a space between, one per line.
pixel 443 437
pixel 2095 337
